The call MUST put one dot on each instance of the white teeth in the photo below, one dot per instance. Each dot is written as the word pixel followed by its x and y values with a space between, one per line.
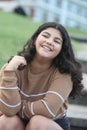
pixel 47 48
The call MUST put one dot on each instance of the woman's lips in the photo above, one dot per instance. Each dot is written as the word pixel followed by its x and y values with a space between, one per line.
pixel 46 47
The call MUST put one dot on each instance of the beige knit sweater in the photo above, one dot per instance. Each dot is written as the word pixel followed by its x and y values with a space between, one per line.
pixel 28 94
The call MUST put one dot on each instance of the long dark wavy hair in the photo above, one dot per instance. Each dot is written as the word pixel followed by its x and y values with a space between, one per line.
pixel 65 61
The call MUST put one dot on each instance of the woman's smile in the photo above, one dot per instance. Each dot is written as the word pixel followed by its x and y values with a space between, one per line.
pixel 46 47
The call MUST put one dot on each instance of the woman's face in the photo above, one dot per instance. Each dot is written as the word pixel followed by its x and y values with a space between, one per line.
pixel 48 43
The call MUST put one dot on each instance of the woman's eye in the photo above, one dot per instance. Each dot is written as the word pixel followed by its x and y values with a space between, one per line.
pixel 45 36
pixel 57 41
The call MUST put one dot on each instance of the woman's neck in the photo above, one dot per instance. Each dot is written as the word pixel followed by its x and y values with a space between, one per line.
pixel 39 65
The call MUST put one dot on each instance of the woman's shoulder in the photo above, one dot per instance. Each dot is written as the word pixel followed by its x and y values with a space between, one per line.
pixel 58 75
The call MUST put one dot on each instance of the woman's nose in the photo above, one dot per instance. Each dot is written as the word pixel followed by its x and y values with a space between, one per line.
pixel 49 41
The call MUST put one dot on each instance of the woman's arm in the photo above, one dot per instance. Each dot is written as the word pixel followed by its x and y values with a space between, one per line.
pixel 10 100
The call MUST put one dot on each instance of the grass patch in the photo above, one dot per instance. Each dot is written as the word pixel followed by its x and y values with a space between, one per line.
pixel 77 32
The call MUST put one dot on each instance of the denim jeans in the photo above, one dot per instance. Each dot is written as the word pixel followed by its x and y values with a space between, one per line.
pixel 63 122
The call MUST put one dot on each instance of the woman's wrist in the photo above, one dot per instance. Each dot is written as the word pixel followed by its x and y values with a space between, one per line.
pixel 11 67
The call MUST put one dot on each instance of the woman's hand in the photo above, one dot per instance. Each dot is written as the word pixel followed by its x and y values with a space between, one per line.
pixel 16 62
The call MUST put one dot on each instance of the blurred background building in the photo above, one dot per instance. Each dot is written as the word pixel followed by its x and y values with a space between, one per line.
pixel 72 13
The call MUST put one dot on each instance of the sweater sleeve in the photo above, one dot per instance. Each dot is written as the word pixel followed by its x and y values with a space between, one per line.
pixel 10 100
pixel 52 105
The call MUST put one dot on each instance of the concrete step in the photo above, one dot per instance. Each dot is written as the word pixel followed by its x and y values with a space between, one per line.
pixel 84 64
pixel 81 55
pixel 79 38
pixel 85 82
pixel 78 117
pixel 82 100
pixel 77 128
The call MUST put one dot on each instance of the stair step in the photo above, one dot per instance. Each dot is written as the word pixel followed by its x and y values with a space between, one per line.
pixel 82 100
pixel 85 82
pixel 77 115
pixel 84 65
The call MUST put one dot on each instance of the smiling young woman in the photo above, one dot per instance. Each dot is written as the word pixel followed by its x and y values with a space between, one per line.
pixel 35 85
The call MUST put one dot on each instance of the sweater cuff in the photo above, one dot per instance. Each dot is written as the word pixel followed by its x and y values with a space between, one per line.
pixel 9 78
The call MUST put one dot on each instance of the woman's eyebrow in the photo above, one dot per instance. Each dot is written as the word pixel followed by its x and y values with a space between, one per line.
pixel 46 33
